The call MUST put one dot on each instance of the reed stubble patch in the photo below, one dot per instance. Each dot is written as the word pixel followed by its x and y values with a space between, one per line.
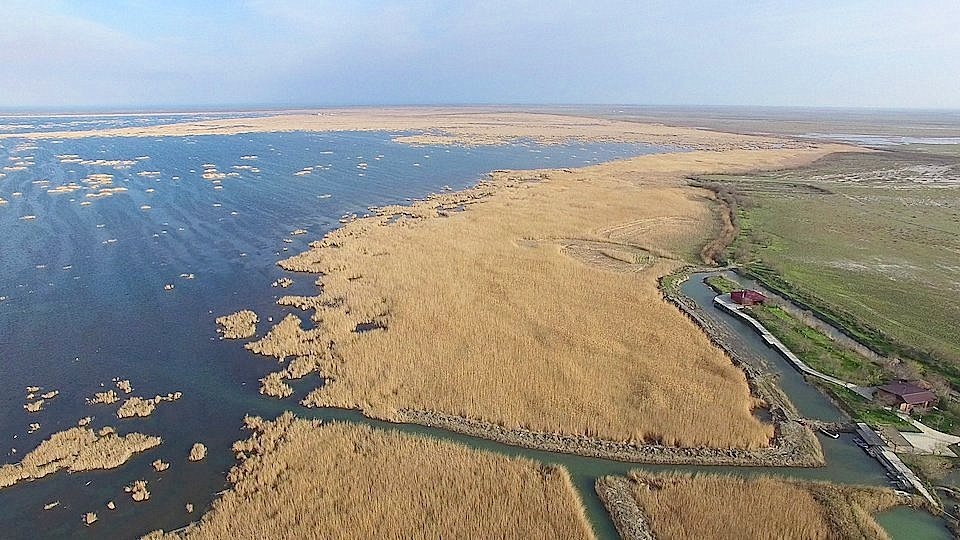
pixel 297 475
pixel 680 506
pixel 487 316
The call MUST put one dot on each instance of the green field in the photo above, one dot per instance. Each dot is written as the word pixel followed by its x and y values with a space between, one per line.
pixel 817 350
pixel 870 242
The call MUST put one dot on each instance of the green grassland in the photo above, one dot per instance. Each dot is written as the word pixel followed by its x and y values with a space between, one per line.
pixel 870 242
pixel 816 349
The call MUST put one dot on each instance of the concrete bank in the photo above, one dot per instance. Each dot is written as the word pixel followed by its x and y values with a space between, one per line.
pixel 723 302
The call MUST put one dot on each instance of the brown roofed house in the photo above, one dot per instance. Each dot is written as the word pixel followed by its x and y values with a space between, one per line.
pixel 905 396
pixel 747 297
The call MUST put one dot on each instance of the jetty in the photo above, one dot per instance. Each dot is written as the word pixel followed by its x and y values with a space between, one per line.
pixel 877 447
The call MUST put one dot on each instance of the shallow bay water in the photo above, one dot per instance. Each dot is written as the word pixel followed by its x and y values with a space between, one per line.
pixel 85 299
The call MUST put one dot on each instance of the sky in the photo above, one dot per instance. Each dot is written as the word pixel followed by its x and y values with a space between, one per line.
pixel 135 54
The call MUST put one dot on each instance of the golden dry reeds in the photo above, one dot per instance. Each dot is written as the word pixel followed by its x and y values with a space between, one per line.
pixel 239 325
pixel 197 452
pixel 76 449
pixel 301 479
pixel 484 314
pixel 680 506
pixel 107 398
pixel 138 490
pixel 138 406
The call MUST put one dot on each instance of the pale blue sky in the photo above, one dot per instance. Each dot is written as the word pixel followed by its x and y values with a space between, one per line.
pixel 138 53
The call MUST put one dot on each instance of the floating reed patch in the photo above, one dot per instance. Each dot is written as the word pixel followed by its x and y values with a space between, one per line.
pixel 680 506
pixel 107 398
pixel 197 452
pixel 239 325
pixel 138 490
pixel 76 449
pixel 297 478
pixel 138 406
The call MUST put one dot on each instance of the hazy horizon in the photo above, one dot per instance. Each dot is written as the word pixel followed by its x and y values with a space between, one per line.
pixel 134 56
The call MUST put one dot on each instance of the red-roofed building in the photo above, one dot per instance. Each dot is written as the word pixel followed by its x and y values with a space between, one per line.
pixel 905 396
pixel 747 297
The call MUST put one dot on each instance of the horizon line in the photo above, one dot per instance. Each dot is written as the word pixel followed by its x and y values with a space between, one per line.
pixel 172 110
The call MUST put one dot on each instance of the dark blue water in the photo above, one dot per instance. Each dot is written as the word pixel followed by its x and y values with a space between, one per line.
pixel 84 299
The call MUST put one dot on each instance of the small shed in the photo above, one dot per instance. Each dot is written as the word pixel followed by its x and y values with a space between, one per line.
pixel 747 297
pixel 905 396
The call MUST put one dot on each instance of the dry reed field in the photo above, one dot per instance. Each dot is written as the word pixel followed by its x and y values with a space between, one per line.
pixel 485 314
pixel 681 506
pixel 300 479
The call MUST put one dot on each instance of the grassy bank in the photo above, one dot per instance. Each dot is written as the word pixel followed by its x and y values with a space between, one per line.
pixel 816 349
pixel 867 243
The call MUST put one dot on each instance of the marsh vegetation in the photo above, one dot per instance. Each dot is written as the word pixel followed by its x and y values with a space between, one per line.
pixel 681 506
pixel 298 475
pixel 77 449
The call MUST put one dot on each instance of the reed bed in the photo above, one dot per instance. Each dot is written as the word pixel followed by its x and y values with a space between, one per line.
pixel 480 314
pixel 681 506
pixel 239 325
pixel 297 478
pixel 440 126
pixel 76 449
